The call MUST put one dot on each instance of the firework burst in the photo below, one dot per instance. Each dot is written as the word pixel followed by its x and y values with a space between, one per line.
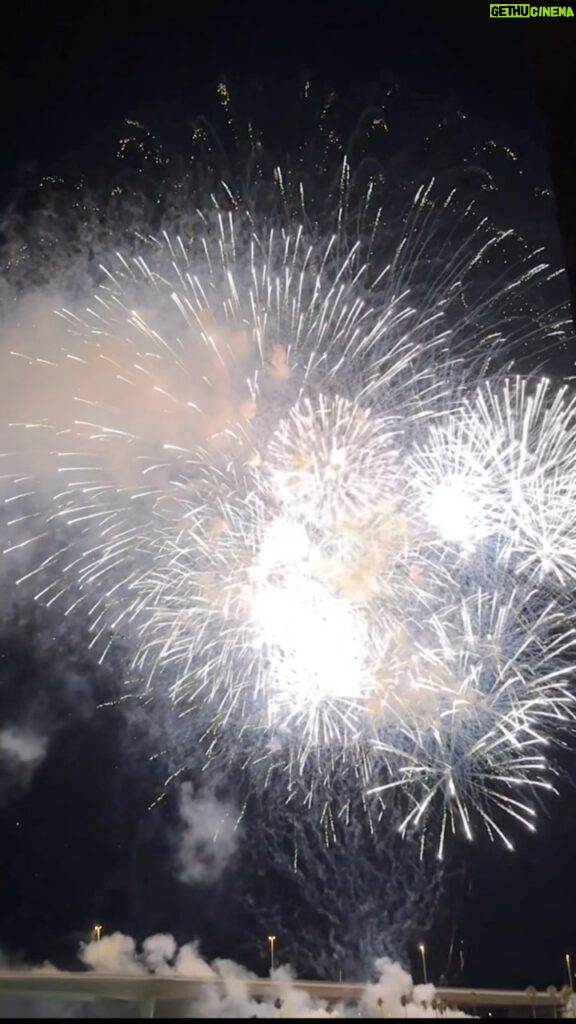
pixel 275 474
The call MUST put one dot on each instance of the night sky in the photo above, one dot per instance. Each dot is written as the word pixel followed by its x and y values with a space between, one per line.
pixel 77 842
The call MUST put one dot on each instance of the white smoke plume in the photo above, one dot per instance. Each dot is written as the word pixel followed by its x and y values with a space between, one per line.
pixel 226 990
pixel 392 995
pixel 22 747
pixel 207 839
pixel 21 752
pixel 159 954
pixel 114 954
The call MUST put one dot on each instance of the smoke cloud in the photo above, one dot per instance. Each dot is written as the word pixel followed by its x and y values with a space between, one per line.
pixel 21 753
pixel 22 748
pixel 67 382
pixel 226 989
pixel 227 994
pixel 207 840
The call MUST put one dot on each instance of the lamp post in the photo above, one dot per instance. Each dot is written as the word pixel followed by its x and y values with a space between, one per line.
pixel 570 975
pixel 271 940
pixel 97 931
pixel 422 949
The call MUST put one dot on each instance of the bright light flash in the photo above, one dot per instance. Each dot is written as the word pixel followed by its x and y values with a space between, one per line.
pixel 453 512
pixel 312 637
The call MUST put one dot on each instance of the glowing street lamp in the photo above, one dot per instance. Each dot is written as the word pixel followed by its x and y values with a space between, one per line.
pixel 422 949
pixel 97 932
pixel 271 940
pixel 570 975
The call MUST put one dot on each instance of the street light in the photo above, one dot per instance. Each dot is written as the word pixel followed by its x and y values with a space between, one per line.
pixel 422 949
pixel 271 940
pixel 570 975
pixel 97 930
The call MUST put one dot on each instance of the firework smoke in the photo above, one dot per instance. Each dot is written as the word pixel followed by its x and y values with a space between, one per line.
pixel 226 989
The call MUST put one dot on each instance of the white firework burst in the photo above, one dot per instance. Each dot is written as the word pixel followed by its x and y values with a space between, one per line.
pixel 274 472
pixel 501 468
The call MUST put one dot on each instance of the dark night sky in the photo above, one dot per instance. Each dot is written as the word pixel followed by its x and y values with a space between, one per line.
pixel 66 74
pixel 73 848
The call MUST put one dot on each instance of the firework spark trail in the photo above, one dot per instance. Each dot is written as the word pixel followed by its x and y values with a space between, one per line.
pixel 272 469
